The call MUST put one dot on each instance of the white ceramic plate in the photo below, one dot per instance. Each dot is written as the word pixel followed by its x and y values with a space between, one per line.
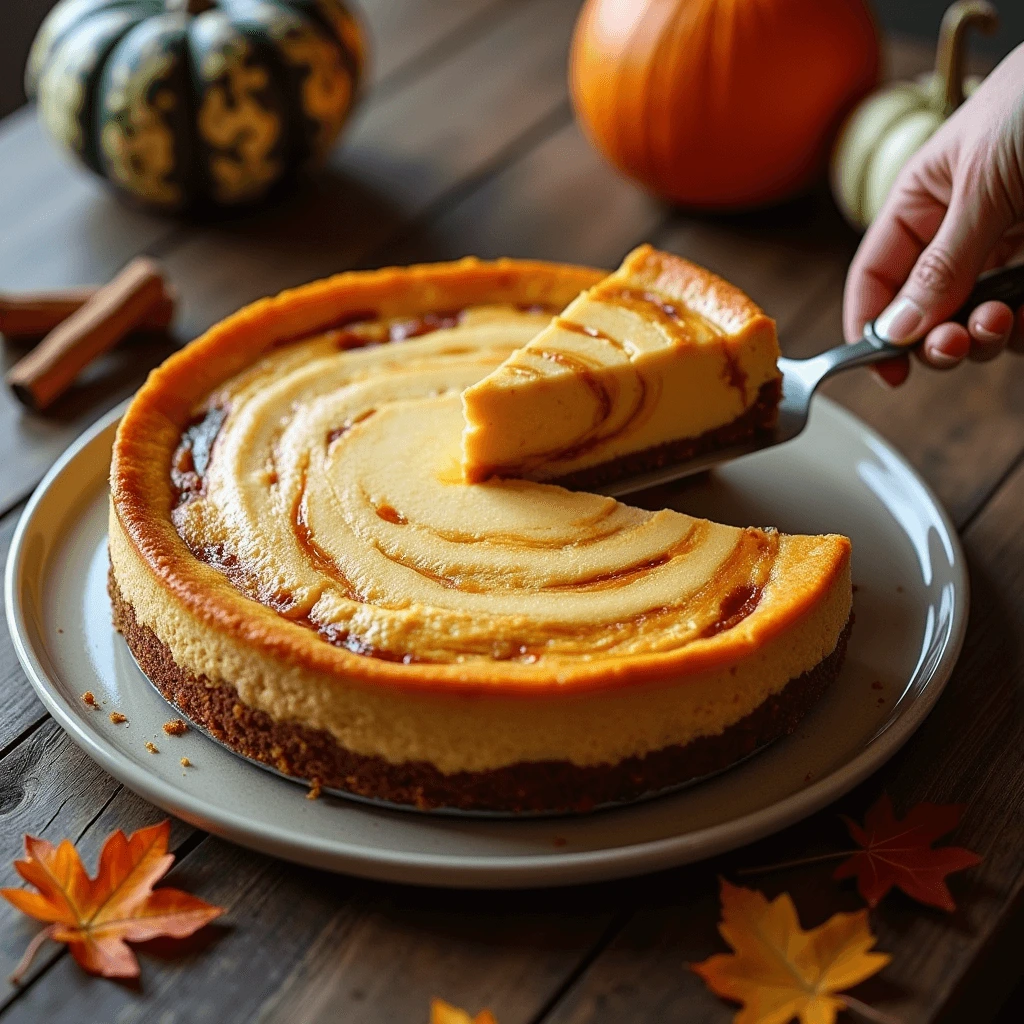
pixel 911 613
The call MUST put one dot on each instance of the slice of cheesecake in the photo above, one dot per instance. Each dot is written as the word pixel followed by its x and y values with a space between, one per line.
pixel 659 362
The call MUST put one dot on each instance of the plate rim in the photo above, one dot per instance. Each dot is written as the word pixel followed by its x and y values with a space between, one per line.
pixel 479 870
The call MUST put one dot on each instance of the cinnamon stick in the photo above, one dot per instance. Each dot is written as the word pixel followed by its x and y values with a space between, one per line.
pixel 29 316
pixel 113 311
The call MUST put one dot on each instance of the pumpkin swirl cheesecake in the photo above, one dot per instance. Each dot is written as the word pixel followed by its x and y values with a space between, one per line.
pixel 303 564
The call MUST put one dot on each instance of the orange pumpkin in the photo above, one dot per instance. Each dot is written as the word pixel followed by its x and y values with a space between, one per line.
pixel 720 103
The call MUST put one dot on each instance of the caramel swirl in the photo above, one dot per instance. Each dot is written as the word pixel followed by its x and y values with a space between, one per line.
pixel 330 490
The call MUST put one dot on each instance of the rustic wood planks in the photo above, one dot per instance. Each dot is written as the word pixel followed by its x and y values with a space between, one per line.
pixel 469 147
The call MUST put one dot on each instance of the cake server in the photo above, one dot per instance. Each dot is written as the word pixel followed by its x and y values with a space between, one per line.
pixel 801 377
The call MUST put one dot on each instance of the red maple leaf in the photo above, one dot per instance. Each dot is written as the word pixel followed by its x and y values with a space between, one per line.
pixel 899 853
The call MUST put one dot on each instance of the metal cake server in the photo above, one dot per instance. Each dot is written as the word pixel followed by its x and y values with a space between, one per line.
pixel 801 377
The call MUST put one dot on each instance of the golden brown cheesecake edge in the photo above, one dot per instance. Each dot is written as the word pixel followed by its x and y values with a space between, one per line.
pixel 552 786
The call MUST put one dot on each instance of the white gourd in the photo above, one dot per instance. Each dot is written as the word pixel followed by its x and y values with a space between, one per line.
pixel 891 125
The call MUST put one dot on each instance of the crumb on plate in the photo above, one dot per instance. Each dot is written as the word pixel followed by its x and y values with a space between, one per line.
pixel 117 718
pixel 175 727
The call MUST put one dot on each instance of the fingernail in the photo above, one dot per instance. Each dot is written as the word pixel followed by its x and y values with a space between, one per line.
pixel 941 360
pixel 984 334
pixel 900 322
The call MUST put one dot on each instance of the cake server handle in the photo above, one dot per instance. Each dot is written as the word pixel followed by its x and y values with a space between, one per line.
pixel 801 377
pixel 1004 285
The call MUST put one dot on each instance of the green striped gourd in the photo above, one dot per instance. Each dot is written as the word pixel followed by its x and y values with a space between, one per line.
pixel 192 103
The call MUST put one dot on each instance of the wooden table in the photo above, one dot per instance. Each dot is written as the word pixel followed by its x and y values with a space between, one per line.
pixel 467 145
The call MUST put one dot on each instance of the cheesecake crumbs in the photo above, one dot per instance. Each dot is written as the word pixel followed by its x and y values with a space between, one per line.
pixel 89 699
pixel 186 763
pixel 152 748
pixel 117 718
pixel 175 727
pixel 315 789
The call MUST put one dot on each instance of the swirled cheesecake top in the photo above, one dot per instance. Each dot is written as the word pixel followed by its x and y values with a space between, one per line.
pixel 325 482
pixel 289 489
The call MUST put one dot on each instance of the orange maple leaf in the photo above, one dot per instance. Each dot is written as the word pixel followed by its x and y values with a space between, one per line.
pixel 899 853
pixel 444 1013
pixel 777 970
pixel 97 916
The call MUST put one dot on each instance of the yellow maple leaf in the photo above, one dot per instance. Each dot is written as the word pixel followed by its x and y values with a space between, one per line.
pixel 444 1013
pixel 777 970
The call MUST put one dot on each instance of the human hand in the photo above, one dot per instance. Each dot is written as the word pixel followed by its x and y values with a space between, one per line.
pixel 955 210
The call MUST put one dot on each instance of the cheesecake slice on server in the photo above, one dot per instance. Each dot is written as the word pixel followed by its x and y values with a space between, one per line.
pixel 659 362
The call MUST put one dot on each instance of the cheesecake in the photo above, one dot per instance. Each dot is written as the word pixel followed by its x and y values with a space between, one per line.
pixel 658 362
pixel 300 564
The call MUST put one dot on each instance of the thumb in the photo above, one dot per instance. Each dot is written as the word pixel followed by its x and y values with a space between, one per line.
pixel 944 273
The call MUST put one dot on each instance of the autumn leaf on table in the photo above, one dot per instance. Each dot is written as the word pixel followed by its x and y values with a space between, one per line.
pixel 444 1013
pixel 96 917
pixel 780 972
pixel 899 853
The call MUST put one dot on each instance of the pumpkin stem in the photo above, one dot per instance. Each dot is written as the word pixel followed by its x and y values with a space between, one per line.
pixel 189 6
pixel 951 52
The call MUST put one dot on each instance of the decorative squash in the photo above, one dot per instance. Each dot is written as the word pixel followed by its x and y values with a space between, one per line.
pixel 720 103
pixel 184 103
pixel 882 134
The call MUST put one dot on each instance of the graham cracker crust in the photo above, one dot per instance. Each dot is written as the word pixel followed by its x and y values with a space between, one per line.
pixel 529 787
pixel 757 421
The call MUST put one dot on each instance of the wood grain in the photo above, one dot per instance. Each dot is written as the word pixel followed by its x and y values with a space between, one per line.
pixel 332 949
pixel 288 911
pixel 532 208
pixel 407 36
pixel 49 788
pixel 21 709
pixel 79 235
pixel 401 159
pixel 301 945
